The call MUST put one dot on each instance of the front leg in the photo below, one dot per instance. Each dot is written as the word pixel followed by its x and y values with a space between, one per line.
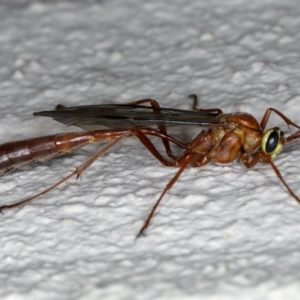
pixel 264 158
pixel 250 162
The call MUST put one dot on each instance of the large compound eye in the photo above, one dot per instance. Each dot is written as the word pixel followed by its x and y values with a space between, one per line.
pixel 271 141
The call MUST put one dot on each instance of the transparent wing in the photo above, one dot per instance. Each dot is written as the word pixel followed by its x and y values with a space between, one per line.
pixel 118 116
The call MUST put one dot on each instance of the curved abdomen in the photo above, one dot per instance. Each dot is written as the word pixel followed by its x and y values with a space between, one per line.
pixel 17 154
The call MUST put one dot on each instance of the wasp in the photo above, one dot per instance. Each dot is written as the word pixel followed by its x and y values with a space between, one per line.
pixel 224 139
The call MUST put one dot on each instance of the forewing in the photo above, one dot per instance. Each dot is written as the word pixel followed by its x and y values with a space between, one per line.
pixel 117 116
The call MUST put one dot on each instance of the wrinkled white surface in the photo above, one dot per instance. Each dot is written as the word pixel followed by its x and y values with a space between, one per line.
pixel 221 232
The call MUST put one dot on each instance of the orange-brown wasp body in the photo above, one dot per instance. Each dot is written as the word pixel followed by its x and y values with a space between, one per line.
pixel 225 139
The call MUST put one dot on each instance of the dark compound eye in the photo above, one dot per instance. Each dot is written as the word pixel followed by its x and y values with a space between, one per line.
pixel 270 143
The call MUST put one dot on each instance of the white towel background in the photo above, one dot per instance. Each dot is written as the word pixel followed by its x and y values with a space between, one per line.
pixel 222 232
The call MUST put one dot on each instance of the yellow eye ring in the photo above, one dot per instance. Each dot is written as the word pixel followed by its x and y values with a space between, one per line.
pixel 271 142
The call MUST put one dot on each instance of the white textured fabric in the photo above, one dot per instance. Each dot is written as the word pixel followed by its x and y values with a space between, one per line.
pixel 220 232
